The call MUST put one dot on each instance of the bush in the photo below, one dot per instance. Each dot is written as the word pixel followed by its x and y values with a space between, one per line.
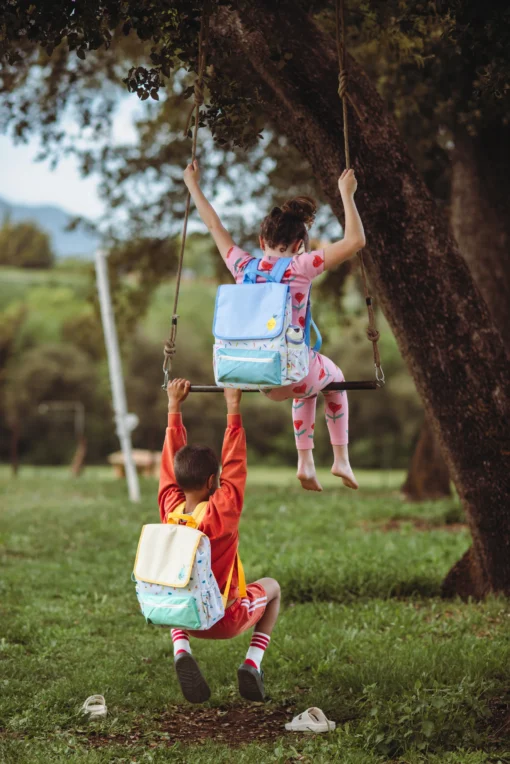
pixel 53 373
pixel 25 245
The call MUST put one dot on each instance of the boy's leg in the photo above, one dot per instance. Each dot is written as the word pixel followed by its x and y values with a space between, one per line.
pixel 249 674
pixel 193 685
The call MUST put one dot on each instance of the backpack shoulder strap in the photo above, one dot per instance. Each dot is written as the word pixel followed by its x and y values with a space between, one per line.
pixel 318 335
pixel 241 580
pixel 194 519
pixel 278 271
pixel 250 272
pixel 309 323
pixel 199 512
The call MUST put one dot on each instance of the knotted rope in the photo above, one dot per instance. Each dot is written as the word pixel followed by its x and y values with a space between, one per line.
pixel 170 345
pixel 372 333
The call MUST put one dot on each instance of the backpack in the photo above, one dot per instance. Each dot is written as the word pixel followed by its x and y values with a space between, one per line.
pixel 256 345
pixel 175 584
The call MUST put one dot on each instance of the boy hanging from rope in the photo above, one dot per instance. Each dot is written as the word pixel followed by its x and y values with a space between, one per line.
pixel 284 233
pixel 191 474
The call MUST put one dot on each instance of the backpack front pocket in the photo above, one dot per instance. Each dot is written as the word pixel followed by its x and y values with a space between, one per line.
pixel 161 610
pixel 248 367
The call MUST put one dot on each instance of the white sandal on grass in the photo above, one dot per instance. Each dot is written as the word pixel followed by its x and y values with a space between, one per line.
pixel 94 707
pixel 311 720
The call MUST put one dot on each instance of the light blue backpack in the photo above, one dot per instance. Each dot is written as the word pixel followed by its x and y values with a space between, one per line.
pixel 256 344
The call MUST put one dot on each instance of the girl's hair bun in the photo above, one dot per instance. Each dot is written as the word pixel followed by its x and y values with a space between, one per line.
pixel 302 207
pixel 275 212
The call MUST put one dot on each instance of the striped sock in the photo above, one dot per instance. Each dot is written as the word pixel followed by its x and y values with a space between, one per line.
pixel 258 646
pixel 181 641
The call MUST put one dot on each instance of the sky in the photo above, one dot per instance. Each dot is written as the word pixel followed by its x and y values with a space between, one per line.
pixel 25 181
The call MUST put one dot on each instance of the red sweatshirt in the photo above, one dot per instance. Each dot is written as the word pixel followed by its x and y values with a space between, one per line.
pixel 221 520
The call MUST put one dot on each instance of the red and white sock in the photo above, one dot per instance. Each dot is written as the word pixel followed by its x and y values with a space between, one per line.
pixel 258 646
pixel 181 641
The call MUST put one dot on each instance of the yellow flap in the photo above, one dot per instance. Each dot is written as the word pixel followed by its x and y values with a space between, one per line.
pixel 166 554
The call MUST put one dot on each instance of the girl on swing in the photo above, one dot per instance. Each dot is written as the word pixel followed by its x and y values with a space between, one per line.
pixel 284 233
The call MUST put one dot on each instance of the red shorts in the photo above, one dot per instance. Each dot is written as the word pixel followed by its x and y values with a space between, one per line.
pixel 242 614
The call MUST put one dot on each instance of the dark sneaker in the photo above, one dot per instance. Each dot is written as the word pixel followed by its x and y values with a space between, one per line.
pixel 193 685
pixel 251 683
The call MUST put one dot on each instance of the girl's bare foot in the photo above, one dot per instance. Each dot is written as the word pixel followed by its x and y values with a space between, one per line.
pixel 341 467
pixel 345 472
pixel 306 471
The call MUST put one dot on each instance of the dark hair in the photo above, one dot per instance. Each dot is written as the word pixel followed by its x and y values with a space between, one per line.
pixel 194 465
pixel 286 224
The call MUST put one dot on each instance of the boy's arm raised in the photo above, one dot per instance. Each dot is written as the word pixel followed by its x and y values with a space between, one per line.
pixel 169 494
pixel 210 217
pixel 233 458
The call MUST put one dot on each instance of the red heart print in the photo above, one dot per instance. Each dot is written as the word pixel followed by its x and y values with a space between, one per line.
pixel 302 321
pixel 298 423
pixel 313 426
pixel 265 266
pixel 317 261
pixel 299 296
pixel 334 407
pixel 300 389
pixel 322 374
pixel 287 274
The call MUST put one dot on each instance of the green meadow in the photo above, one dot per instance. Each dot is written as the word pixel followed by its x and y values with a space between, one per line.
pixel 363 632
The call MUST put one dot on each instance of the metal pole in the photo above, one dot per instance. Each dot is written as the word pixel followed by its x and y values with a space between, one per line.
pixel 368 385
pixel 123 420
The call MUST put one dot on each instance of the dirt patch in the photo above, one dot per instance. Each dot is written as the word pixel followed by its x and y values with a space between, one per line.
pixel 235 726
pixel 499 720
pixel 418 523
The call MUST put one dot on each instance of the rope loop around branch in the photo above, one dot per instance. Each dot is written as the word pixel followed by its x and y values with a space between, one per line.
pixel 198 100
pixel 199 92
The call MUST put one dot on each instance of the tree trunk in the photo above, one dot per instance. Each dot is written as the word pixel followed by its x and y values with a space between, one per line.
pixel 480 217
pixel 443 328
pixel 428 477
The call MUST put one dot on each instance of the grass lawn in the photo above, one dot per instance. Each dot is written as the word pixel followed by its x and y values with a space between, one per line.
pixel 363 633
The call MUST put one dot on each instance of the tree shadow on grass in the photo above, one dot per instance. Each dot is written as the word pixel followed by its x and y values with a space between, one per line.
pixel 415 587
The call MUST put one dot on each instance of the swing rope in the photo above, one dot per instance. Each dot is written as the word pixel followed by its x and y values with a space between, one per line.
pixel 372 333
pixel 198 100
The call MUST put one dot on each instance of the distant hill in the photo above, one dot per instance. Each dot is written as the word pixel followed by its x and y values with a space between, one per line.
pixel 53 220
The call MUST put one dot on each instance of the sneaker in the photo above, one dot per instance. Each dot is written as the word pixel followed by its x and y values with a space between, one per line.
pixel 193 685
pixel 251 683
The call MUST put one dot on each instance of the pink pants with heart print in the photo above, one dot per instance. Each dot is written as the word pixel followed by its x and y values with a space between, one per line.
pixel 322 372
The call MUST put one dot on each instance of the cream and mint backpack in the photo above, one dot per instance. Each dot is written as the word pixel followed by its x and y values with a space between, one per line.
pixel 175 584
